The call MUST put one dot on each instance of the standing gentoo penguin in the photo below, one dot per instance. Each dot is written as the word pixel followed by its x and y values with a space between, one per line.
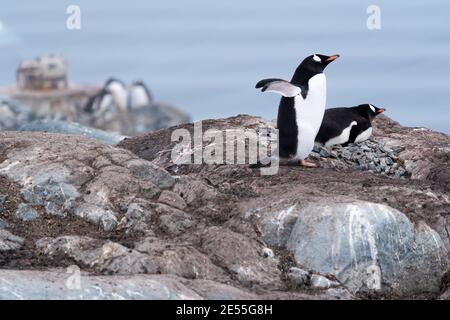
pixel 138 95
pixel 100 102
pixel 118 91
pixel 301 108
pixel 347 125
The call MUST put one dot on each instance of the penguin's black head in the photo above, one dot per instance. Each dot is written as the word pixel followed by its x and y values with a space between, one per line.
pixel 312 65
pixel 369 111
pixel 111 80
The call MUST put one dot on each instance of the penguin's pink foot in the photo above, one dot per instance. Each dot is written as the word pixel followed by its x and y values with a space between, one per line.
pixel 308 164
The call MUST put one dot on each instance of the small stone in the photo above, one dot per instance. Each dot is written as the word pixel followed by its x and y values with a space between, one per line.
pixel 26 213
pixel 298 278
pixel 268 253
pixel 316 148
pixel 346 154
pixel 172 199
pixel 321 282
pixel 324 152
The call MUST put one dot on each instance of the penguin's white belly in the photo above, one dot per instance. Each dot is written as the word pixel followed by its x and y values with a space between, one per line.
pixel 364 135
pixel 309 114
pixel 343 137
pixel 139 98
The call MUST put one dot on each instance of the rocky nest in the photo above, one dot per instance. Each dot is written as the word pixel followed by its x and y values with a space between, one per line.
pixel 369 155
pixel 137 226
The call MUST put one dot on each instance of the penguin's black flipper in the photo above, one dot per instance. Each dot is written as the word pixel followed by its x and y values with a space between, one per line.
pixel 89 106
pixel 264 82
pixel 283 87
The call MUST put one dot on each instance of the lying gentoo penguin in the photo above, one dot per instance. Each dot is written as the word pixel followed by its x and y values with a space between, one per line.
pixel 118 91
pixel 138 95
pixel 99 102
pixel 347 125
pixel 301 108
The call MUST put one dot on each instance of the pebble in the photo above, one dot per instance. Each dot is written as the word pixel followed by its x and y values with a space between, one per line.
pixel 26 213
pixel 368 155
pixel 298 278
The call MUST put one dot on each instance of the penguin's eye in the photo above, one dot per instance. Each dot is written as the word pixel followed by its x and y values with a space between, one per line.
pixel 316 58
pixel 372 108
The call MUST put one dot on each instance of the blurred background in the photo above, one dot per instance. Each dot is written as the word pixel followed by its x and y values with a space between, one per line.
pixel 206 56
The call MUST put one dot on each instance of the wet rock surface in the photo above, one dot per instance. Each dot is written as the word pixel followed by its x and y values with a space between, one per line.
pixel 131 219
pixel 66 127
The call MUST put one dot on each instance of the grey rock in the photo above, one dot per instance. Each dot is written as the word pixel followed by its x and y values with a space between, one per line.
pixel 298 278
pixel 150 172
pixel 173 221
pixel 3 224
pixel 236 252
pixel 64 285
pixel 107 257
pixel 2 202
pixel 445 295
pixel 268 253
pixel 8 241
pixel 74 175
pixel 67 127
pixel 102 217
pixel 369 247
pixel 320 282
pixel 26 213
pixel 172 199
pixel 324 152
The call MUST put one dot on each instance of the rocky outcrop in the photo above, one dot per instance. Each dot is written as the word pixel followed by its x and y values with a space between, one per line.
pixel 425 152
pixel 133 219
pixel 68 105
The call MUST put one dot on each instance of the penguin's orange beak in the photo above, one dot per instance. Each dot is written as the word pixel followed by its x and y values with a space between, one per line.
pixel 381 110
pixel 332 58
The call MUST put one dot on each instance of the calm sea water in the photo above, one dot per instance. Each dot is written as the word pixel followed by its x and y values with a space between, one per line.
pixel 205 56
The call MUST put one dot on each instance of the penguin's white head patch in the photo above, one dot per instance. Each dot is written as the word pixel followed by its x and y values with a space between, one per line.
pixel 317 59
pixel 372 108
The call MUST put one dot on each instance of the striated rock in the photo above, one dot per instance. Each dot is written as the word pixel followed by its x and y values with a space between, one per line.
pixel 67 127
pixel 321 282
pixel 8 241
pixel 108 257
pixel 79 176
pixel 369 247
pixel 246 264
pixel 59 285
pixel 222 231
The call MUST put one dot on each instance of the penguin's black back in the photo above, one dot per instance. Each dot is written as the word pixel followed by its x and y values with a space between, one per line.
pixel 337 119
pixel 287 128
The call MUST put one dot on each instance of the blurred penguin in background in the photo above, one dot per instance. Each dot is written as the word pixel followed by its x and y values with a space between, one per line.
pixel 138 95
pixel 118 91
